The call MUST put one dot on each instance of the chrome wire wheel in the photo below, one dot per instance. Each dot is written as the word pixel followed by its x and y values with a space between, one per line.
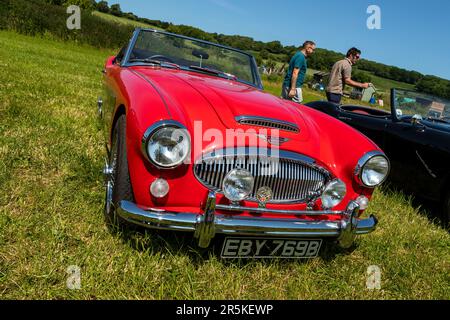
pixel 109 172
pixel 117 177
pixel 108 198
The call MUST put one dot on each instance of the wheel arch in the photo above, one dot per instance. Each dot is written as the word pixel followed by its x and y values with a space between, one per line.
pixel 121 110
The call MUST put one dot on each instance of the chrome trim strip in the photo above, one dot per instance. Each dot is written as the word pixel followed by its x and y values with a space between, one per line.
pixel 258 152
pixel 130 47
pixel 206 225
pixel 265 210
pixel 291 127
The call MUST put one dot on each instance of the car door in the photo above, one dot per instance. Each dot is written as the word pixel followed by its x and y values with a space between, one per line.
pixel 371 126
pixel 419 156
pixel 110 73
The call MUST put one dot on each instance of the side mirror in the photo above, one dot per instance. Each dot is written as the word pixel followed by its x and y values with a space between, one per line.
pixel 200 54
pixel 415 119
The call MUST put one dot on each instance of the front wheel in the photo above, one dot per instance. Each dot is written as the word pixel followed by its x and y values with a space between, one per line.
pixel 118 184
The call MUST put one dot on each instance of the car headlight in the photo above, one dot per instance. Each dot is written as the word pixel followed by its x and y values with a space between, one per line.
pixel 166 144
pixel 333 193
pixel 238 184
pixel 372 169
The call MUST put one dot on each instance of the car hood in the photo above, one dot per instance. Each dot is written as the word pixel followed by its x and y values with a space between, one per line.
pixel 190 92
pixel 215 102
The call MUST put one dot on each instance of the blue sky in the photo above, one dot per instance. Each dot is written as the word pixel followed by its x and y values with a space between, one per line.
pixel 414 35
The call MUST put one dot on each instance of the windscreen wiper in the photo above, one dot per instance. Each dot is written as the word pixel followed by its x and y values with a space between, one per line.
pixel 215 72
pixel 157 62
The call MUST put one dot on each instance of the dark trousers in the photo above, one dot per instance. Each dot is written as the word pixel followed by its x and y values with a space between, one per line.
pixel 334 97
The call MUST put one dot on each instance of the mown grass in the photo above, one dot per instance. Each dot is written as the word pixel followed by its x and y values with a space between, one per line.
pixel 51 155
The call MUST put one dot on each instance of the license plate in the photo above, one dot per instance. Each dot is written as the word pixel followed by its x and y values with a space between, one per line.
pixel 270 248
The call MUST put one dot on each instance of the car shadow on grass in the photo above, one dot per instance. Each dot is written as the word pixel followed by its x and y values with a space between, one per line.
pixel 171 243
pixel 430 209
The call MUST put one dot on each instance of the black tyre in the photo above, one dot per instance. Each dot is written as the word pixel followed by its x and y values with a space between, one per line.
pixel 118 185
pixel 446 209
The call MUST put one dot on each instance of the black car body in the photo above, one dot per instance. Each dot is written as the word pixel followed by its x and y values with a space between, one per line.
pixel 415 136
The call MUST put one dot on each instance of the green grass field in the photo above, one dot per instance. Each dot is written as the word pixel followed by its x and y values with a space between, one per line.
pixel 385 85
pixel 51 156
pixel 121 20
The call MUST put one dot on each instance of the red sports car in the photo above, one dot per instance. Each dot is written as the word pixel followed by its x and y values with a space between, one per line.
pixel 194 144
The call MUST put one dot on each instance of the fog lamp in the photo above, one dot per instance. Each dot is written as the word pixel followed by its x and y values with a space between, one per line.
pixel 238 184
pixel 159 188
pixel 333 194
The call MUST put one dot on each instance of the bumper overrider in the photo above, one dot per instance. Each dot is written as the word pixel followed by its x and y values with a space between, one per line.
pixel 205 226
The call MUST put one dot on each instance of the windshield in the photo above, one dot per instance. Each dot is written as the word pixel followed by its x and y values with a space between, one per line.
pixel 410 103
pixel 195 55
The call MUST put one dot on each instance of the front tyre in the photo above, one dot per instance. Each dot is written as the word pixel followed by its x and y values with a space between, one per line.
pixel 446 208
pixel 118 185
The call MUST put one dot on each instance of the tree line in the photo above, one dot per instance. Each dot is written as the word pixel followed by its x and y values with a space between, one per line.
pixel 267 53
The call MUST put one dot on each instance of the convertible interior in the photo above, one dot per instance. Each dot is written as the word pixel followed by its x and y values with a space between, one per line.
pixel 366 111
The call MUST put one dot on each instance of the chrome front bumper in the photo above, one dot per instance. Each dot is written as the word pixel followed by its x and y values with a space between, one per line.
pixel 205 226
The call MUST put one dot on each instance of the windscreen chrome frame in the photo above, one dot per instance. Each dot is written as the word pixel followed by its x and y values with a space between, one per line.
pixel 137 31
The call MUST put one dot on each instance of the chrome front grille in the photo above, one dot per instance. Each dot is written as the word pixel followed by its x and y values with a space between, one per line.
pixel 292 177
pixel 268 123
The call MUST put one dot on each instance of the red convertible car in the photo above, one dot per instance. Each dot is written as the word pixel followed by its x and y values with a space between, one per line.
pixel 194 144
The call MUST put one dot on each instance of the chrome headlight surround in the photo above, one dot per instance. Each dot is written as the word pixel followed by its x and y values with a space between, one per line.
pixel 369 159
pixel 156 128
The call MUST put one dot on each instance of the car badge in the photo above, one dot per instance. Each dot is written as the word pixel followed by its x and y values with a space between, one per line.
pixel 273 140
pixel 263 195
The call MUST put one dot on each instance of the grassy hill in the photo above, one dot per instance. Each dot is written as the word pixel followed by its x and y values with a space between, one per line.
pixel 51 156
pixel 125 21
pixel 385 85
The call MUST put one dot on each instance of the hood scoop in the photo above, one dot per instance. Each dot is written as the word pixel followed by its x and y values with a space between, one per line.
pixel 268 123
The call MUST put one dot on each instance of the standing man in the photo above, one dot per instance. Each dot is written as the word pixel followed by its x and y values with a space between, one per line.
pixel 293 81
pixel 341 74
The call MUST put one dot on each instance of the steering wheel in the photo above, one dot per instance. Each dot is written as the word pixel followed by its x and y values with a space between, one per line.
pixel 161 57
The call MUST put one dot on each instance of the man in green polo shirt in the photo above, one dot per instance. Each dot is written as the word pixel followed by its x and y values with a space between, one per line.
pixel 295 76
